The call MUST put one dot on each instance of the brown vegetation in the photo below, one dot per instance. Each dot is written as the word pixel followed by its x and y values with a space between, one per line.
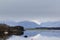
pixel 6 31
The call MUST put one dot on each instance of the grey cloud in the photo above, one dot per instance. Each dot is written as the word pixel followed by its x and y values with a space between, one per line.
pixel 21 9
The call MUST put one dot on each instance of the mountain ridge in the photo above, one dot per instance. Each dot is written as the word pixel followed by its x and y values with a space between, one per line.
pixel 30 24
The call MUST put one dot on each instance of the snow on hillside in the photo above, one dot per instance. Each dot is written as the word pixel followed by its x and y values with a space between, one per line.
pixel 36 37
pixel 31 24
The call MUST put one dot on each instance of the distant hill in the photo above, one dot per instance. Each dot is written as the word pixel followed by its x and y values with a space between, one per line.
pixel 28 24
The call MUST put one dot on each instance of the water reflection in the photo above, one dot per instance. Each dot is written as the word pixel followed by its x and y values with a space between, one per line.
pixel 43 32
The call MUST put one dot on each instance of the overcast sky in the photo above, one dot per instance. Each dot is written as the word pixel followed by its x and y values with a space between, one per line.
pixel 20 10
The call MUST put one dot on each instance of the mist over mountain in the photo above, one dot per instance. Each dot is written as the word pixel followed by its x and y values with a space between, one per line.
pixel 11 23
pixel 50 24
pixel 30 24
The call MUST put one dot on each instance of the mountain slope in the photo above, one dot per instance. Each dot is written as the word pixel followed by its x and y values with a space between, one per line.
pixel 28 24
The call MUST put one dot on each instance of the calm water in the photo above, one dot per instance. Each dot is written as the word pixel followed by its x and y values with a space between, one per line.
pixel 44 35
pixel 55 33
